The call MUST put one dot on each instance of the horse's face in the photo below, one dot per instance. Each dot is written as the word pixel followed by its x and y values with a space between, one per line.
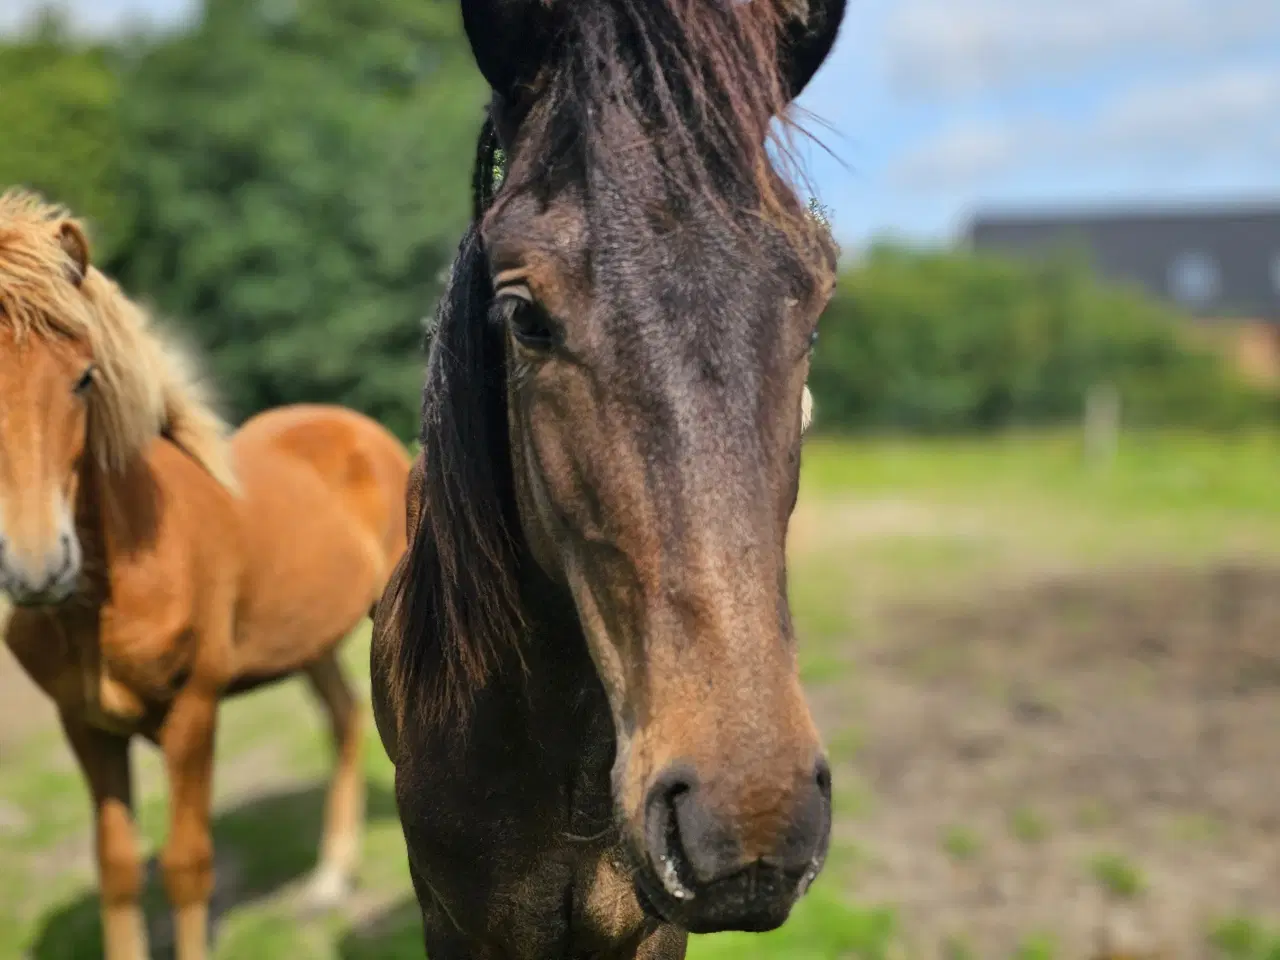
pixel 44 391
pixel 657 357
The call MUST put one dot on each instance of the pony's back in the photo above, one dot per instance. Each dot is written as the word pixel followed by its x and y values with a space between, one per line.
pixel 355 456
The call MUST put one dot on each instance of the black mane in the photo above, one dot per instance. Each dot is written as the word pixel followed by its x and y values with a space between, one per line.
pixel 668 104
pixel 457 603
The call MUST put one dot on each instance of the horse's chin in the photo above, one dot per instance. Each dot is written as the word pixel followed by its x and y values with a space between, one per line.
pixel 756 901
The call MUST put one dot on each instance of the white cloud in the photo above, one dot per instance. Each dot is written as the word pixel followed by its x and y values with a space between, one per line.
pixel 1227 114
pixel 961 154
pixel 1233 111
pixel 95 18
pixel 947 47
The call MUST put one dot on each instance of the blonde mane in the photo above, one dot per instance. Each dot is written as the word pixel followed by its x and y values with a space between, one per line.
pixel 145 384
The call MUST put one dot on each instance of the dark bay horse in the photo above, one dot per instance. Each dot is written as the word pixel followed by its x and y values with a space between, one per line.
pixel 585 667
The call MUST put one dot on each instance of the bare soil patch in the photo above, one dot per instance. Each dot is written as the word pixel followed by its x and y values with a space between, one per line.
pixel 1059 725
pixel 24 710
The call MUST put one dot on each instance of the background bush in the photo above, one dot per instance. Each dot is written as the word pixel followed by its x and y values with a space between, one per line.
pixel 952 341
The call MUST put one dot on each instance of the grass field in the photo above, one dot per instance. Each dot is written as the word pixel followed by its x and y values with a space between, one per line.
pixel 1050 690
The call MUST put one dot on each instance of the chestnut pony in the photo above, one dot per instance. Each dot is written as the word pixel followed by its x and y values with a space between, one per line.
pixel 156 567
pixel 585 668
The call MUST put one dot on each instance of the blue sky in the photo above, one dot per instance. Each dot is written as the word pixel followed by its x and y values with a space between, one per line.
pixel 938 107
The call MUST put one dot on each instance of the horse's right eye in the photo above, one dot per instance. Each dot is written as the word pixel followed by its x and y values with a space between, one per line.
pixel 529 323
pixel 85 381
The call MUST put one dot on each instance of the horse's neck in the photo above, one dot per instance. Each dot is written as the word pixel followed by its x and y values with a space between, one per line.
pixel 114 513
pixel 556 666
pixel 567 704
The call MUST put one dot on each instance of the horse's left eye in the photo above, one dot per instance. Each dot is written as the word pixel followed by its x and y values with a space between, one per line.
pixel 85 381
pixel 813 339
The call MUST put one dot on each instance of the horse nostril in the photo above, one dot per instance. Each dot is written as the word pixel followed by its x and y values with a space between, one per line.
pixel 662 828
pixel 822 776
pixel 689 840
pixel 660 811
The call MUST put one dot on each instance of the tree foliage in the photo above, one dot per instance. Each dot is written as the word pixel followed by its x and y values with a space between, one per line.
pixel 293 181
pixel 58 120
pixel 945 341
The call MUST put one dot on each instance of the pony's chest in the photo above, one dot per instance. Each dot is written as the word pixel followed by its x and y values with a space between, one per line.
pixel 128 669
pixel 64 658
pixel 108 703
pixel 117 692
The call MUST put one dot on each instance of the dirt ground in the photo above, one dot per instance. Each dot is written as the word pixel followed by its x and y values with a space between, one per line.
pixel 23 709
pixel 1092 756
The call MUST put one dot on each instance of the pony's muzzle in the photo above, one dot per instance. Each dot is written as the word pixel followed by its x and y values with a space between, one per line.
pixel 44 578
pixel 718 866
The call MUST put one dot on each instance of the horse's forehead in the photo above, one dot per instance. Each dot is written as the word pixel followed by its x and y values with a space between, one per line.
pixel 35 371
pixel 622 249
pixel 36 345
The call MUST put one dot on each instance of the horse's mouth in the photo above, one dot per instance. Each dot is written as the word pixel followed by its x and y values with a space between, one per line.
pixel 757 899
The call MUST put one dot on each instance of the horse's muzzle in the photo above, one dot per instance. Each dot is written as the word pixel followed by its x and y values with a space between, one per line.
pixel 696 874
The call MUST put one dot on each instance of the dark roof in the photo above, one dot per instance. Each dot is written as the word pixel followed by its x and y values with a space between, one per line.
pixel 1211 261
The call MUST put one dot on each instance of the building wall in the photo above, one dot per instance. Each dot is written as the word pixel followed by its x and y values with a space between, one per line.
pixel 1211 264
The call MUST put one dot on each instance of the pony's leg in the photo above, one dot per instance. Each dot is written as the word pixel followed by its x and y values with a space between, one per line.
pixel 104 759
pixel 187 858
pixel 344 807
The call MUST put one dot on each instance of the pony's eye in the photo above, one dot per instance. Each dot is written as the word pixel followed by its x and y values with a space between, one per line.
pixel 85 381
pixel 813 339
pixel 528 321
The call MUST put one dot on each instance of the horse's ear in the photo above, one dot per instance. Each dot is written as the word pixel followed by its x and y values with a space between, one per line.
pixel 507 40
pixel 807 40
pixel 76 246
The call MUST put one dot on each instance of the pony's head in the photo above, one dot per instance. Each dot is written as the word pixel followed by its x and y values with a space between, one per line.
pixel 616 395
pixel 83 383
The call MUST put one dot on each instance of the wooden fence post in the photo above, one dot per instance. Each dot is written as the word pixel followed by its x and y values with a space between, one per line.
pixel 1101 423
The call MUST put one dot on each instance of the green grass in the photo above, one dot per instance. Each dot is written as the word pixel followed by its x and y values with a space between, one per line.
pixel 824 926
pixel 961 843
pixel 1118 876
pixel 1245 938
pixel 1027 825
pixel 1039 946
pixel 1189 494
pixel 1019 497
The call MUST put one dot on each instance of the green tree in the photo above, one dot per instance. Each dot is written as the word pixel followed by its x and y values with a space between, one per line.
pixel 58 118
pixel 295 180
pixel 945 341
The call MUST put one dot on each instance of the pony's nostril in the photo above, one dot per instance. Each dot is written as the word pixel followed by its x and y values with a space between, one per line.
pixel 68 555
pixel 822 776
